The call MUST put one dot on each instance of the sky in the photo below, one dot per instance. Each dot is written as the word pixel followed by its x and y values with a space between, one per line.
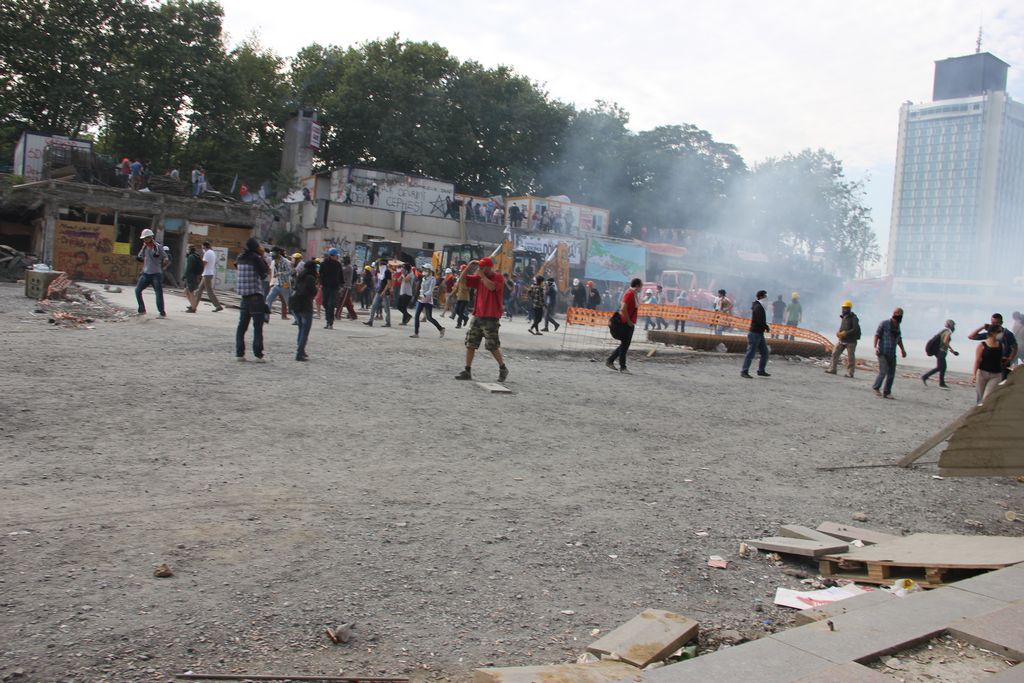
pixel 769 77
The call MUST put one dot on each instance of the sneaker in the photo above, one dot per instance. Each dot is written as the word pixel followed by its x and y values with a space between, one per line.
pixel 240 358
pixel 943 385
pixel 624 371
pixel 924 380
pixel 878 393
pixel 850 375
pixel 441 331
pixel 259 359
pixel 502 374
pixel 889 396
pixel 302 358
pixel 414 336
pixel 611 366
pixel 556 327
pixel 386 325
pixel 162 314
pixel 763 374
pixel 830 372
pixel 218 309
pixel 368 323
pixel 465 374
pixel 746 375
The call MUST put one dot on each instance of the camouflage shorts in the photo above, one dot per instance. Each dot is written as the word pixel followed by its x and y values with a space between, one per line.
pixel 483 328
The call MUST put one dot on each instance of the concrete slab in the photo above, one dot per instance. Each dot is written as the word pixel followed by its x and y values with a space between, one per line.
pixel 851 672
pixel 494 387
pixel 764 661
pixel 807 533
pixel 1001 631
pixel 596 672
pixel 878 597
pixel 1003 584
pixel 648 637
pixel 852 533
pixel 798 546
pixel 865 634
pixel 942 551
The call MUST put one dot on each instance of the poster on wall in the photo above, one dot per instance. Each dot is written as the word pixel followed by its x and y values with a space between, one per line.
pixel 615 261
pixel 546 245
pixel 413 194
pixel 87 251
pixel 560 217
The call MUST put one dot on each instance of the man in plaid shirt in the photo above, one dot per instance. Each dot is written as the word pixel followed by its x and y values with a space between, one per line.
pixel 887 339
pixel 252 270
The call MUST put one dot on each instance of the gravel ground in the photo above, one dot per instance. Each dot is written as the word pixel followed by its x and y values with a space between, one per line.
pixel 453 527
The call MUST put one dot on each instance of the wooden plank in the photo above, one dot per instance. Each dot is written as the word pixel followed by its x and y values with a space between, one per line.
pixel 879 572
pixel 596 672
pixel 941 551
pixel 797 546
pixel 979 471
pixel 852 533
pixel 807 533
pixel 648 637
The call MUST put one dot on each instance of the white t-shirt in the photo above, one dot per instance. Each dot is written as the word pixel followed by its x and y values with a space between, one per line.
pixel 209 262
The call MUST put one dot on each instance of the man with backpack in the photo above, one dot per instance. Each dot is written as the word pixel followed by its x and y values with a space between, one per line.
pixel 849 335
pixel 938 346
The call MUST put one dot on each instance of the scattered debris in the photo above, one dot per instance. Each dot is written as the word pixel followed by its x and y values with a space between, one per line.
pixel 340 634
pixel 859 517
pixel 718 562
pixel 163 571
pixel 78 307
pixel 826 596
pixel 851 533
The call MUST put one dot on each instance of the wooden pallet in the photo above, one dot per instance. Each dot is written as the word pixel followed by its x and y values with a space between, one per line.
pixel 930 559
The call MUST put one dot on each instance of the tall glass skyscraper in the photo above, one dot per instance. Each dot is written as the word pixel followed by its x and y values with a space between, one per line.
pixel 958 198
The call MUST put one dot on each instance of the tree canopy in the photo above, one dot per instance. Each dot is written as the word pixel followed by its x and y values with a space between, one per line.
pixel 156 81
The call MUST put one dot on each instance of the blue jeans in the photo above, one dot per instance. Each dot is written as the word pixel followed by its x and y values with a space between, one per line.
pixel 940 367
pixel 305 322
pixel 380 301
pixel 886 373
pixel 156 280
pixel 251 308
pixel 756 344
pixel 275 292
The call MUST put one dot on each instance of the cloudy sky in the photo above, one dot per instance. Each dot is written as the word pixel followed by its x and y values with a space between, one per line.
pixel 769 77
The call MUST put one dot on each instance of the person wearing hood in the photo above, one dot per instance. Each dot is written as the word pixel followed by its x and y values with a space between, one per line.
pixel 579 294
pixel 425 302
pixel 550 303
pixel 593 296
pixel 848 335
pixel 252 270
pixel 301 304
pixel 755 337
pixel 887 339
pixel 461 294
pixel 942 349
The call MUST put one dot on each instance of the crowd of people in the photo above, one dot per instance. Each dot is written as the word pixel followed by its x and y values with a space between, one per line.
pixel 310 287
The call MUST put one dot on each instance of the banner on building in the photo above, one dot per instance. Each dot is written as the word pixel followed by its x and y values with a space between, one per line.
pixel 545 214
pixel 546 245
pixel 615 261
pixel 413 194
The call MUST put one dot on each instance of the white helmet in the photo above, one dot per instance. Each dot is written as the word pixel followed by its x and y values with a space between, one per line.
pixel 146 233
pixel 575 281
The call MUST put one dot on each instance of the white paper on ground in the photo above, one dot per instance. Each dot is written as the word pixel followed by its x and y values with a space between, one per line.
pixel 809 599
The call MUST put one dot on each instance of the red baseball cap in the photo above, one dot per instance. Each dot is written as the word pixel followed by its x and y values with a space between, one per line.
pixel 486 262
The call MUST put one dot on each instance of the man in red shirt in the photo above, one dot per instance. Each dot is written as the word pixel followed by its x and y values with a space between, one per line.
pixel 627 311
pixel 487 312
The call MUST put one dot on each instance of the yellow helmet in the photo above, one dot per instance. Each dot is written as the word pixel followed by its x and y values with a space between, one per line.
pixel 297 254
pixel 847 304
pixel 795 295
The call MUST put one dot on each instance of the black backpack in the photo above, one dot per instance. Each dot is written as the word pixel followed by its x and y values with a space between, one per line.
pixel 932 347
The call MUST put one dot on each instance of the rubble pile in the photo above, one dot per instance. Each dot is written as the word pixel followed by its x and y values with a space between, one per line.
pixel 73 306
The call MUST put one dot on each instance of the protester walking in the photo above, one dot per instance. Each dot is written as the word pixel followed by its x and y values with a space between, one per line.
pixel 988 367
pixel 348 278
pixel 536 293
pixel 462 294
pixel 193 276
pixel 281 275
pixel 755 338
pixel 330 285
pixel 723 305
pixel 887 339
pixel 628 309
pixel 251 269
pixel 550 302
pixel 405 278
pixel 849 334
pixel 153 259
pixel 939 346
pixel 489 285
pixel 382 298
pixel 209 271
pixel 425 302
pixel 794 313
pixel 301 304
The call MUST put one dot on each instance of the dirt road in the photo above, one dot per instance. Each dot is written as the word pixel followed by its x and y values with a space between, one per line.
pixel 455 528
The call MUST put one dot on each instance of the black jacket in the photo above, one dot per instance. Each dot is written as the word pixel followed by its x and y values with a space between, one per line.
pixel 758 322
pixel 304 293
pixel 330 274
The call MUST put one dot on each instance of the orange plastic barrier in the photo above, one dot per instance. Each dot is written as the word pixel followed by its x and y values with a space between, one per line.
pixel 591 318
